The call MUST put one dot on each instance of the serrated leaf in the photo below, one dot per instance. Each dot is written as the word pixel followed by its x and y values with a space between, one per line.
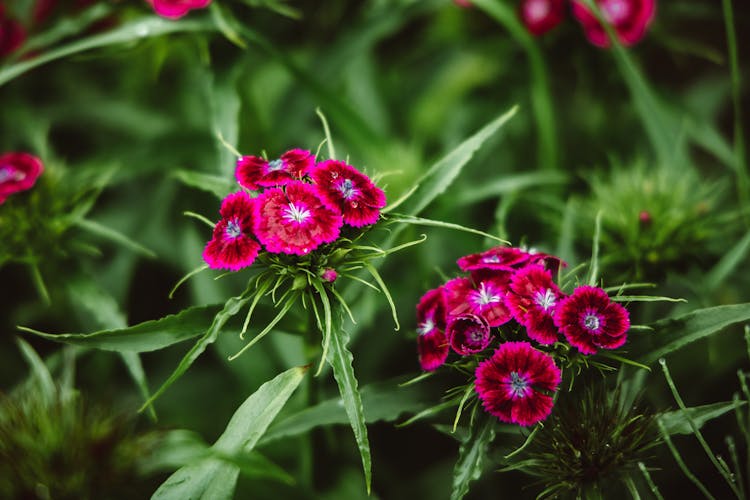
pixel 677 422
pixel 442 174
pixel 471 457
pixel 340 359
pixel 139 29
pixel 143 337
pixel 671 334
pixel 214 478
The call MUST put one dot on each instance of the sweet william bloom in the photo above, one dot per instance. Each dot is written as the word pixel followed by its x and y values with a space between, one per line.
pixel 18 172
pixel 507 258
pixel 294 220
pixel 516 383
pixel 468 333
pixel 329 275
pixel 629 18
pixel 484 297
pixel 347 189
pixel 533 299
pixel 174 9
pixel 591 321
pixel 432 344
pixel 540 16
pixel 254 172
pixel 232 245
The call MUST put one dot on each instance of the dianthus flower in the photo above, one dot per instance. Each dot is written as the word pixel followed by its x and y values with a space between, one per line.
pixel 174 9
pixel 468 333
pixel 18 172
pixel 533 299
pixel 629 18
pixel 482 297
pixel 540 16
pixel 591 321
pixel 232 245
pixel 432 344
pixel 348 190
pixel 507 258
pixel 517 382
pixel 294 219
pixel 12 34
pixel 254 172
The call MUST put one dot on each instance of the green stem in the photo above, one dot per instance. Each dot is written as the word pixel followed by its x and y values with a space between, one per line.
pixel 681 462
pixel 652 486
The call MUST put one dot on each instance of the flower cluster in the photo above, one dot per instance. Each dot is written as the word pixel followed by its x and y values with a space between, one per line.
pixel 510 298
pixel 629 18
pixel 18 172
pixel 299 205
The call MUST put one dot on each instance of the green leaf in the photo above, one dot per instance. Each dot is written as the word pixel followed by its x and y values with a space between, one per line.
pixel 513 183
pixel 728 263
pixel 677 422
pixel 115 236
pixel 382 401
pixel 340 359
pixel 214 478
pixel 471 457
pixel 217 185
pixel 419 221
pixel 231 308
pixel 39 370
pixel 442 174
pixel 143 337
pixel 671 334
pixel 140 29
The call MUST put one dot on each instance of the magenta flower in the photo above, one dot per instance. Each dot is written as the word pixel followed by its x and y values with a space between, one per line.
pixel 484 297
pixel 294 220
pixel 507 258
pixel 629 18
pixel 468 333
pixel 12 34
pixel 254 172
pixel 347 189
pixel 540 16
pixel 590 321
pixel 432 344
pixel 232 245
pixel 174 9
pixel 18 172
pixel 533 300
pixel 329 275
pixel 517 382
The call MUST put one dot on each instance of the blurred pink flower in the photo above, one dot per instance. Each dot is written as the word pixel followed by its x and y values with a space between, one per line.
pixel 18 172
pixel 432 344
pixel 174 9
pixel 629 18
pixel 12 34
pixel 540 16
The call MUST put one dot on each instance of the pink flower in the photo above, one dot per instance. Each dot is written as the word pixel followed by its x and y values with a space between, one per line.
pixel 254 172
pixel 347 189
pixel 589 320
pixel 516 383
pixel 629 18
pixel 533 300
pixel 18 172
pixel 507 258
pixel 174 9
pixel 432 344
pixel 294 220
pixel 12 34
pixel 329 275
pixel 484 297
pixel 232 245
pixel 468 333
pixel 540 16
pixel 463 3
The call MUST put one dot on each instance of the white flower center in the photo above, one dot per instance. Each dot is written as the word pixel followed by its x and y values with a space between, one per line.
pixel 296 214
pixel 545 299
pixel 347 189
pixel 10 173
pixel 518 385
pixel 483 296
pixel 615 11
pixel 591 321
pixel 537 10
pixel 233 229
pixel 426 327
pixel 275 165
pixel 492 259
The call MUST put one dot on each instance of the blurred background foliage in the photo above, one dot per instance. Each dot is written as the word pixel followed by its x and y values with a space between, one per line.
pixel 646 136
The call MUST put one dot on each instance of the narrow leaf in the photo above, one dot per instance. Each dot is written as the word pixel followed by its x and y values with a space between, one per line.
pixel 471 457
pixel 115 236
pixel 419 221
pixel 39 370
pixel 217 185
pixel 677 422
